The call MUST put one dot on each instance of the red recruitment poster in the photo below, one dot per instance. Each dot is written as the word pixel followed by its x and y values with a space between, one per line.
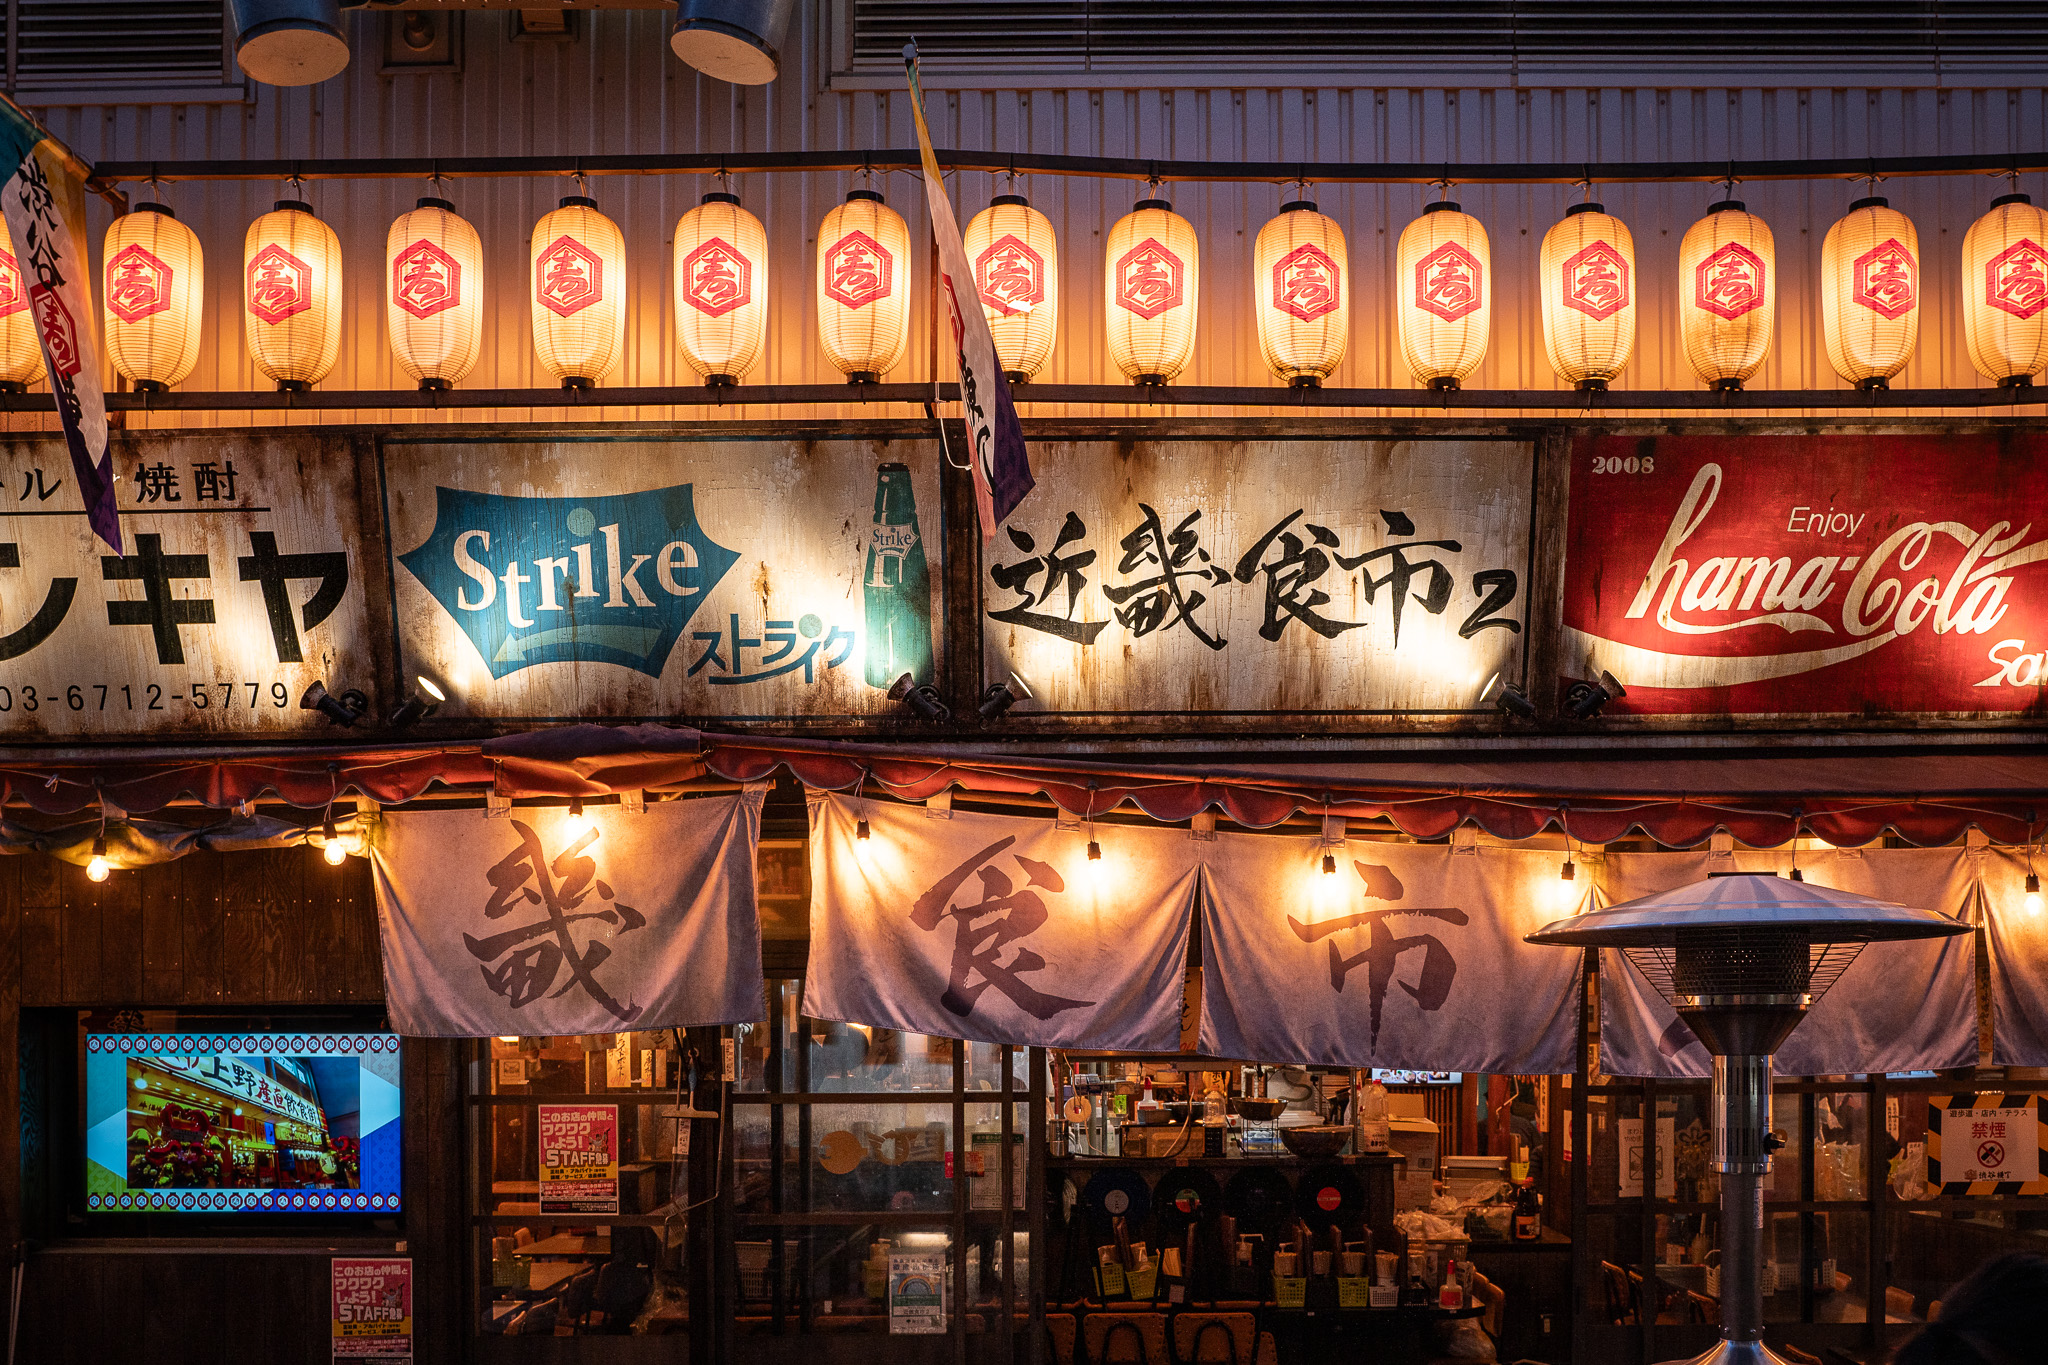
pixel 1811 575
pixel 579 1158
pixel 372 1308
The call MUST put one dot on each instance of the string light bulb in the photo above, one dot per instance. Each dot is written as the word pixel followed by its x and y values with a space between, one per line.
pixel 2033 894
pixel 1094 851
pixel 1329 864
pixel 334 853
pixel 99 867
pixel 860 829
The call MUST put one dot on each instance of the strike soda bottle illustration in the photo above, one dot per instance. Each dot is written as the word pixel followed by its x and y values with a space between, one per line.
pixel 897 585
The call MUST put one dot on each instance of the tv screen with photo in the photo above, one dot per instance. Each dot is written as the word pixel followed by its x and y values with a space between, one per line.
pixel 291 1123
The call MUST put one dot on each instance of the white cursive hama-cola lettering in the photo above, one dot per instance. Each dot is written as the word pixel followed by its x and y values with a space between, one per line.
pixel 1886 593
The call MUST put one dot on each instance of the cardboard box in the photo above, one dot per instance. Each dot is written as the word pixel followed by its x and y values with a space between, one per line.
pixel 1412 1142
pixel 1163 1140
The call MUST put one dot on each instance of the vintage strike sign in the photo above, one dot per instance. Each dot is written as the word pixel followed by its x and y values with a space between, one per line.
pixel 1811 575
pixel 661 578
pixel 1264 577
pixel 242 584
pixel 372 1308
pixel 579 1158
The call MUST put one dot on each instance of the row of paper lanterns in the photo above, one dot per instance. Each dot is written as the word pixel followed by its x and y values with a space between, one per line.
pixel 1444 287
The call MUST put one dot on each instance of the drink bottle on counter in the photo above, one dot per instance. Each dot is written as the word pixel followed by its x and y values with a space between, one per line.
pixel 1528 1213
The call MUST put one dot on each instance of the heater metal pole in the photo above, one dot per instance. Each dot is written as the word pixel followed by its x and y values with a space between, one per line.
pixel 1742 1154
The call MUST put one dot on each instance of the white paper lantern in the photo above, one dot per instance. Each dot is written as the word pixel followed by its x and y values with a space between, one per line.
pixel 434 293
pixel 291 295
pixel 1727 294
pixel 1589 296
pixel 2005 291
pixel 153 279
pixel 1152 285
pixel 21 353
pixel 578 283
pixel 721 268
pixel 1870 293
pixel 1443 281
pixel 1017 273
pixel 864 287
pixel 1301 284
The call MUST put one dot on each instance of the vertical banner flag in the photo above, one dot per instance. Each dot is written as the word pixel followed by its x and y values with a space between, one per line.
pixel 1899 1007
pixel 372 1308
pixel 1002 471
pixel 44 200
pixel 1405 956
pixel 997 929
pixel 544 922
pixel 579 1159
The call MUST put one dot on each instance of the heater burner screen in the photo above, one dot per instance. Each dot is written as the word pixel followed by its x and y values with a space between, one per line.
pixel 1743 961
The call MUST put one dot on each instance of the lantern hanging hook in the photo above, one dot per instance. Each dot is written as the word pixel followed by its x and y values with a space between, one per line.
pixel 1443 184
pixel 724 177
pixel 2012 178
pixel 582 180
pixel 297 183
pixel 1585 182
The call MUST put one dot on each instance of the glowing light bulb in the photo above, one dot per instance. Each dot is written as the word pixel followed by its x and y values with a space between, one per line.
pixel 98 868
pixel 427 686
pixel 1567 885
pixel 860 830
pixel 2033 894
pixel 1094 851
pixel 1329 864
pixel 334 853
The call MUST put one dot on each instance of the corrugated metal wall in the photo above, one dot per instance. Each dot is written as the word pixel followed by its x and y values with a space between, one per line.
pixel 617 89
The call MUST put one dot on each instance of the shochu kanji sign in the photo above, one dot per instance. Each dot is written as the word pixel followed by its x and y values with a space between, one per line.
pixel 241 585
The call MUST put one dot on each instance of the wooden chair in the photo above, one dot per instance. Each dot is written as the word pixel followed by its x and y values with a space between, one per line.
pixel 1621 1308
pixel 1638 1291
pixel 1899 1303
pixel 1933 1309
pixel 522 1237
pixel 1200 1336
pixel 1125 1339
pixel 1493 1299
pixel 1062 1327
pixel 1701 1310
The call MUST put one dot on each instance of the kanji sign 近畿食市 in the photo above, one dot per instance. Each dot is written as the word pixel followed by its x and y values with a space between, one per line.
pixel 239 587
pixel 1810 575
pixel 752 578
pixel 1371 577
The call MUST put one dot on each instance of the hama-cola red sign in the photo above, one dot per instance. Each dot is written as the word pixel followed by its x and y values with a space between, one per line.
pixel 1788 575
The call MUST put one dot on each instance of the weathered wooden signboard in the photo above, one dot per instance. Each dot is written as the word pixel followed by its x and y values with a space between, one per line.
pixel 1811 575
pixel 240 584
pixel 538 579
pixel 1225 578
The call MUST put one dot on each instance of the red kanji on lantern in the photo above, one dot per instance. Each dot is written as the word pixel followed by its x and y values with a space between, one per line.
pixel 138 284
pixel 1306 283
pixel 1730 281
pixel 280 284
pixel 60 333
pixel 1596 281
pixel 569 277
pixel 1887 281
pixel 1010 275
pixel 2016 279
pixel 1148 279
pixel 717 278
pixel 1449 282
pixel 13 298
pixel 425 279
pixel 859 270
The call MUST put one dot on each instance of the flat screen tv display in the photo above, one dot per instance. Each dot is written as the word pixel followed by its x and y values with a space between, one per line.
pixel 212 1123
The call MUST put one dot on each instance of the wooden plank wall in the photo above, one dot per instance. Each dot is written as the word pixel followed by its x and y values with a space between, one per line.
pixel 238 929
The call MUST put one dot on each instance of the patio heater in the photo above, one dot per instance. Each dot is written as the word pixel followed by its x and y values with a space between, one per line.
pixel 1742 957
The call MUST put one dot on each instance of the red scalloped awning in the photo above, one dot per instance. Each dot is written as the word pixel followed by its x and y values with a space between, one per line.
pixel 1677 800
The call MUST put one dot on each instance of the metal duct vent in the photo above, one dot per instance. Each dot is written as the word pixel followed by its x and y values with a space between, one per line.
pixel 124 46
pixel 1621 39
pixel 1747 960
